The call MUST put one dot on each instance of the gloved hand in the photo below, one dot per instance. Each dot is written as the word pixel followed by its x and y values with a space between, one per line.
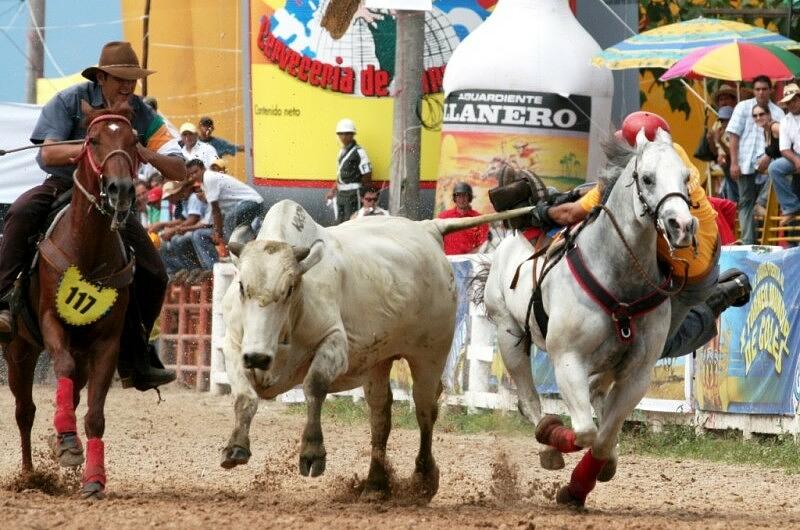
pixel 539 216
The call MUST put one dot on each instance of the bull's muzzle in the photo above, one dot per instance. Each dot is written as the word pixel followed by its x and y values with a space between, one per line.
pixel 258 361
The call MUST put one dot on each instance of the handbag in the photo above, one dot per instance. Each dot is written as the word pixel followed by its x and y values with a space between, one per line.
pixel 703 151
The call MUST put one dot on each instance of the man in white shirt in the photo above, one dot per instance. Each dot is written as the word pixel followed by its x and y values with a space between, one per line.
pixel 782 169
pixel 232 202
pixel 192 149
pixel 369 205
pixel 747 144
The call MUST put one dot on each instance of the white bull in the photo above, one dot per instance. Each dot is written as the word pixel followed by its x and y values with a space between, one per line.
pixel 333 308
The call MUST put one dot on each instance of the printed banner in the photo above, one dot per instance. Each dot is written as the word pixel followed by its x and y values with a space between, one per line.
pixel 751 367
pixel 314 63
pixel 485 131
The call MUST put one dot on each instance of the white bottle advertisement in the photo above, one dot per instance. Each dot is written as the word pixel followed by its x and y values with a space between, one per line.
pixel 520 91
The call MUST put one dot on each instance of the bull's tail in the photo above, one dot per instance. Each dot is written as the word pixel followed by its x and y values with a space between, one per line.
pixel 446 226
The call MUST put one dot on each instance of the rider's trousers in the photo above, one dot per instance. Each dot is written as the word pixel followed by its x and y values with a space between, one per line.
pixel 26 217
pixel 693 323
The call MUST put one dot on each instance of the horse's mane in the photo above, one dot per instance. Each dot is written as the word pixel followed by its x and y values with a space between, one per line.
pixel 618 155
pixel 121 108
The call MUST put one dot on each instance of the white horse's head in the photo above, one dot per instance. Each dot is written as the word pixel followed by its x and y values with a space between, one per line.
pixel 661 179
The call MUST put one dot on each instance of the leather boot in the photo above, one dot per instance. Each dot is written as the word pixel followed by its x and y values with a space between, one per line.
pixel 147 373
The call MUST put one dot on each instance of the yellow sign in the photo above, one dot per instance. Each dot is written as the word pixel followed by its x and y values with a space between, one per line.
pixel 79 302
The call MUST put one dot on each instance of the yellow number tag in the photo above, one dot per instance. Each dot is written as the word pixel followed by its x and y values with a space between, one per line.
pixel 78 302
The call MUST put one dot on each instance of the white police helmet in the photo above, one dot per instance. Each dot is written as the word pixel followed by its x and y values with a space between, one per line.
pixel 345 125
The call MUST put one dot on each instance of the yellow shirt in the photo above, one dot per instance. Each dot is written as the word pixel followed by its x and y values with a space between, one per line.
pixel 707 232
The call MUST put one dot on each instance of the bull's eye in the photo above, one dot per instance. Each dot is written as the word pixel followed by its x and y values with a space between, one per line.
pixel 289 292
pixel 241 290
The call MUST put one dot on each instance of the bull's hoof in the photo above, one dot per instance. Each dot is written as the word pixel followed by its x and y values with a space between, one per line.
pixel 608 471
pixel 93 491
pixel 67 449
pixel 312 465
pixel 551 458
pixel 234 456
pixel 565 497
pixel 545 427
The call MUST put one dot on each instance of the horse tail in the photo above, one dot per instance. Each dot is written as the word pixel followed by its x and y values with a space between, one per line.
pixel 476 287
pixel 446 226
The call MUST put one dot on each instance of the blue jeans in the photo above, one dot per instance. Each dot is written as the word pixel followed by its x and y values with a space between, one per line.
pixel 243 213
pixel 780 174
pixel 748 191
pixel 204 247
pixel 693 323
pixel 178 254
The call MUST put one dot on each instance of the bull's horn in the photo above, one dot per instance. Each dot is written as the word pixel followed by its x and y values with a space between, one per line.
pixel 307 257
pixel 235 247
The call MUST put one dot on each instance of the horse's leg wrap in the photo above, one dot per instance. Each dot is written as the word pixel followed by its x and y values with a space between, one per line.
pixel 584 476
pixel 64 420
pixel 552 432
pixel 95 470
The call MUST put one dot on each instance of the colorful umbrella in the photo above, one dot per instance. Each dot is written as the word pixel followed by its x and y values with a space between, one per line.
pixel 664 46
pixel 737 61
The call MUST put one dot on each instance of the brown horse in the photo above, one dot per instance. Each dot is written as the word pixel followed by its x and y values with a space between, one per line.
pixel 79 294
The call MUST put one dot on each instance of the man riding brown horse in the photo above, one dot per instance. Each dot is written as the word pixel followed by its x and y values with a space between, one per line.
pixel 111 82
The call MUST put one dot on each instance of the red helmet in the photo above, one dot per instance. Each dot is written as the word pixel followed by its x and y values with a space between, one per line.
pixel 636 121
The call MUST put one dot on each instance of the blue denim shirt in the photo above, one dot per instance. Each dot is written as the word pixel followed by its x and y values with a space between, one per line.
pixel 62 119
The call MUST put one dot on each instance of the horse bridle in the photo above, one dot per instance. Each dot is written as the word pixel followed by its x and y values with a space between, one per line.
pixel 99 201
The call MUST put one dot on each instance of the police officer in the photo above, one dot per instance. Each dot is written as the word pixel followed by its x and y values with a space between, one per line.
pixel 354 172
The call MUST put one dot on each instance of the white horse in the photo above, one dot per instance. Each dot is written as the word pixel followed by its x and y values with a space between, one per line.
pixel 595 364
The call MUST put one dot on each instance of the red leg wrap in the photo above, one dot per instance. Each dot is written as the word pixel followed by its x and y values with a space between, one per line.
pixel 95 470
pixel 64 419
pixel 584 477
pixel 563 439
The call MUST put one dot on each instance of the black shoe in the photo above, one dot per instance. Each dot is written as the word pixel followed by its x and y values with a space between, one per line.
pixel 154 375
pixel 733 289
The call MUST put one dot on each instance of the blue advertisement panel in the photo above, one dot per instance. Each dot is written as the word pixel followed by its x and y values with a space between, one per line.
pixel 751 367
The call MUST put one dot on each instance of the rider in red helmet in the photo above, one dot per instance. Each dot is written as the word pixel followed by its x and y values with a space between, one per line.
pixel 707 293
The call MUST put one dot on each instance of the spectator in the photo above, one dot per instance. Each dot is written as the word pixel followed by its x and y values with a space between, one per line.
pixel 177 250
pixel 172 194
pixel 782 169
pixel 725 96
pixel 219 166
pixel 141 202
pixel 354 172
pixel 232 202
pixel 746 147
pixel 471 239
pixel 222 146
pixel 192 149
pixel 154 205
pixel 369 205
pixel 719 145
pixel 202 236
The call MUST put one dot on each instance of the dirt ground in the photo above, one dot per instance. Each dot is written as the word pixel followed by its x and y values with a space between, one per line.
pixel 163 468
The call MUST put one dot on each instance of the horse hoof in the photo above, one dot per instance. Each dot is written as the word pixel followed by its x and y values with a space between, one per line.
pixel 93 491
pixel 67 449
pixel 551 459
pixel 608 471
pixel 428 482
pixel 545 427
pixel 566 498
pixel 234 456
pixel 311 465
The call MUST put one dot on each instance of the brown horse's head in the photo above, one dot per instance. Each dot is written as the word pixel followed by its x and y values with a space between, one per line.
pixel 110 158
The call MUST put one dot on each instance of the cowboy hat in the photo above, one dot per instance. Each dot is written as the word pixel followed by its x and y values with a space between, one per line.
pixel 789 92
pixel 170 188
pixel 117 59
pixel 188 127
pixel 724 88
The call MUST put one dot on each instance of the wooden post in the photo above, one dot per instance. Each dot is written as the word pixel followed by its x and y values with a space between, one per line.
pixel 35 67
pixel 145 43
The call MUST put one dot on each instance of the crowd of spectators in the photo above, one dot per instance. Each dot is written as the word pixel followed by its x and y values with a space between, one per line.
pixel 754 143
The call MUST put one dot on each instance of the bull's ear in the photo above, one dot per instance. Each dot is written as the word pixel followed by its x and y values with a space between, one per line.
pixel 307 257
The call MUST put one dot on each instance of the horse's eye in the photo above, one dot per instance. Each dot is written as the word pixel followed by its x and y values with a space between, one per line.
pixel 647 179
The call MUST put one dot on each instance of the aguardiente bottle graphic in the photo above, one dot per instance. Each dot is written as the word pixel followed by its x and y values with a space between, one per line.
pixel 521 91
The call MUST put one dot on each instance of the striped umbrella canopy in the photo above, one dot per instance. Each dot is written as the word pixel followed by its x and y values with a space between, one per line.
pixel 737 61
pixel 664 46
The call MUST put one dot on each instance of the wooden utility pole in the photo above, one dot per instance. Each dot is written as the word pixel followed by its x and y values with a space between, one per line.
pixel 406 133
pixel 35 67
pixel 145 43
